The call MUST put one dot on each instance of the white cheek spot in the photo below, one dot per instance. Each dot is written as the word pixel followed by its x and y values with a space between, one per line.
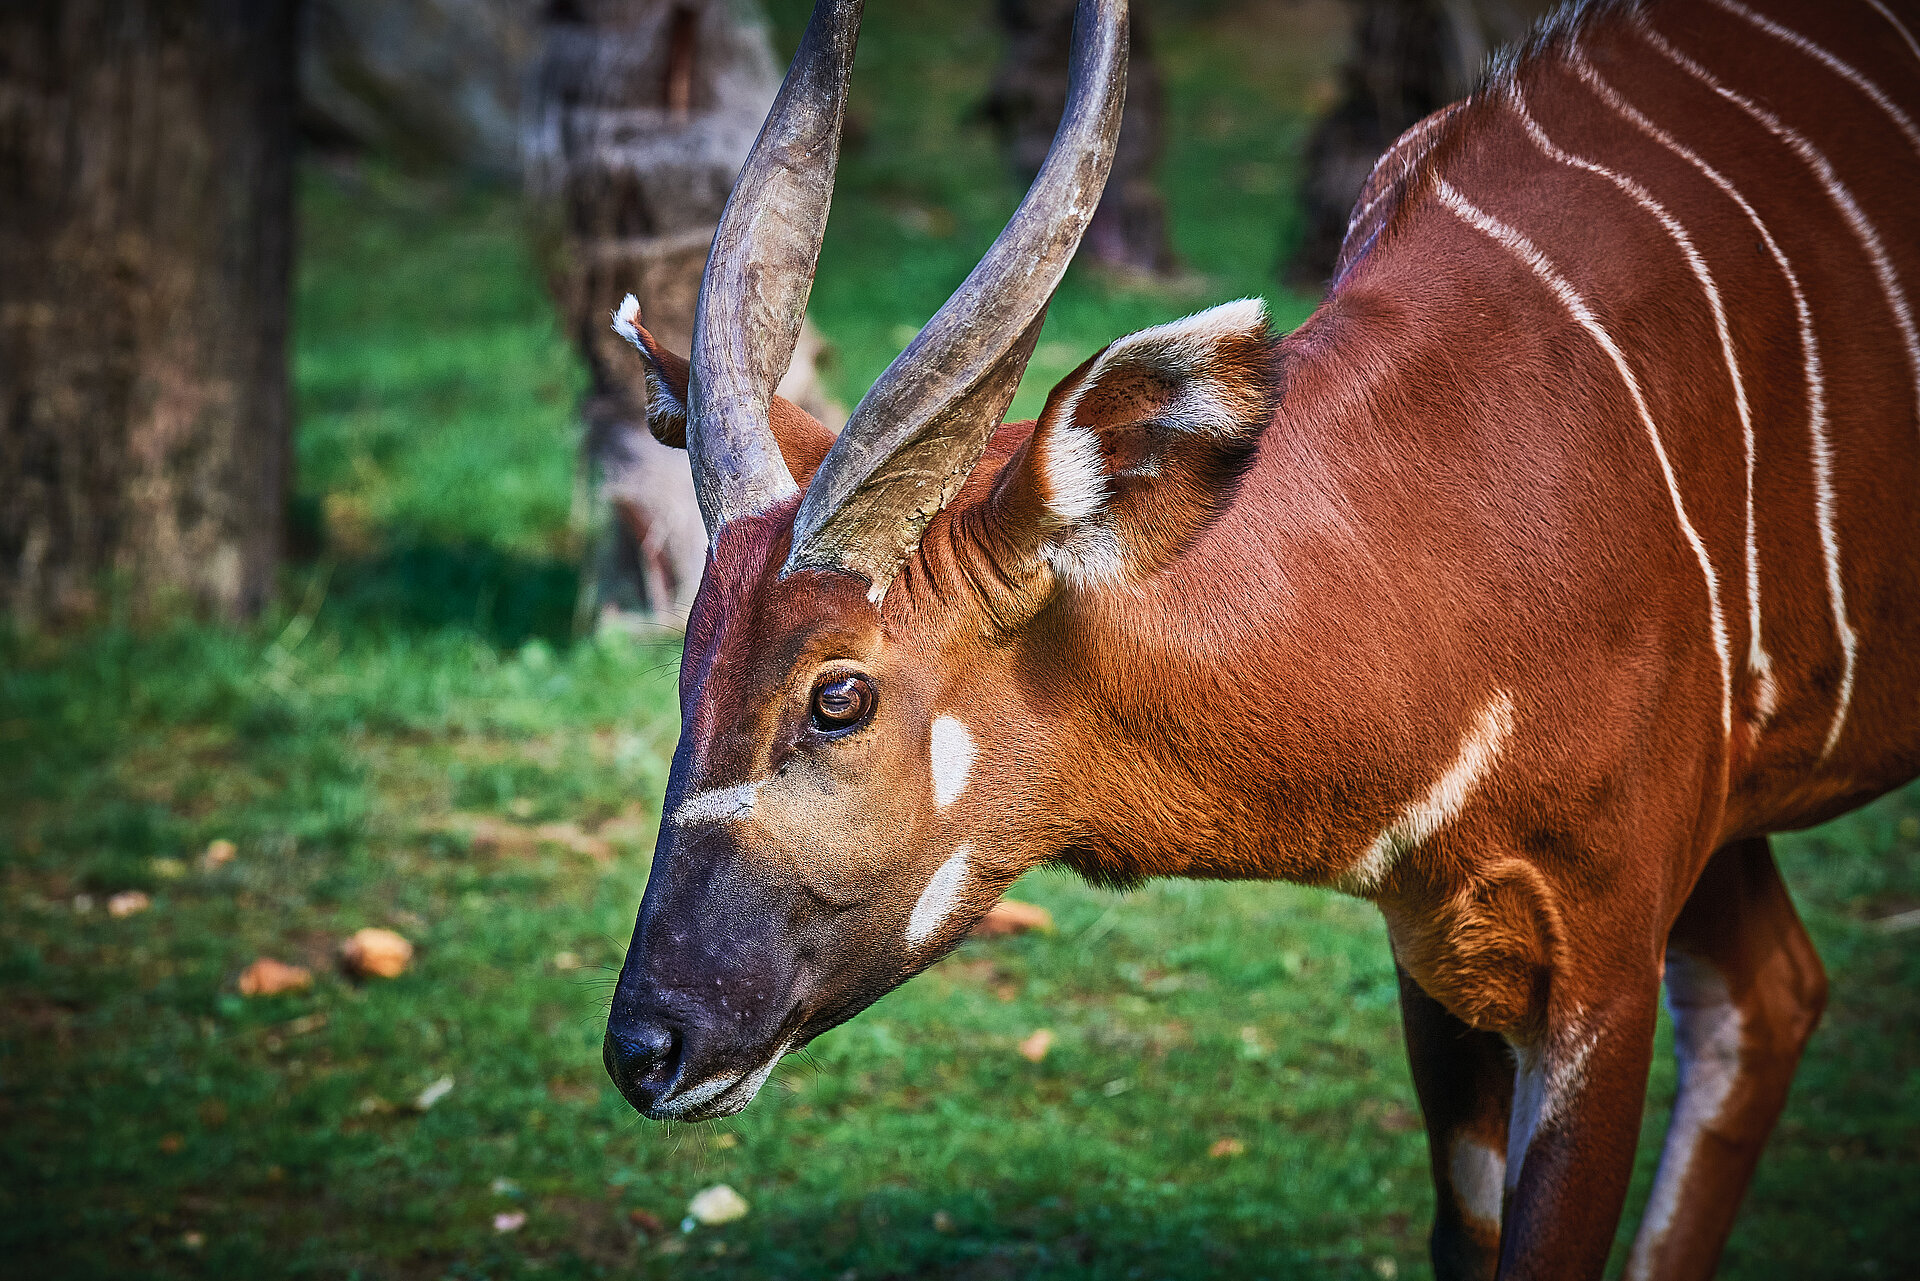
pixel 952 760
pixel 939 899
pixel 718 805
pixel 1478 1173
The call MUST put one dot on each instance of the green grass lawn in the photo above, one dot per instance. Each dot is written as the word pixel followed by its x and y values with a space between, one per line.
pixel 412 740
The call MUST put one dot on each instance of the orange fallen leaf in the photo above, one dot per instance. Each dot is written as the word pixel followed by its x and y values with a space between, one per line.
pixel 1035 1047
pixel 127 903
pixel 1010 916
pixel 376 953
pixel 1228 1146
pixel 268 977
pixel 218 853
pixel 646 1221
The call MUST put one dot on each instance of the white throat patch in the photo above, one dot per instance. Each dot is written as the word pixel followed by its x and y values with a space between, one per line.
pixel 939 899
pixel 953 754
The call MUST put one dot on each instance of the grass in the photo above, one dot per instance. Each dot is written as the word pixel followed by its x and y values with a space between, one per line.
pixel 405 739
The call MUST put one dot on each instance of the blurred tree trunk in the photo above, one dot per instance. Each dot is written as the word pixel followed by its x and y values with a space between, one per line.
pixel 1129 229
pixel 642 113
pixel 1411 57
pixel 145 235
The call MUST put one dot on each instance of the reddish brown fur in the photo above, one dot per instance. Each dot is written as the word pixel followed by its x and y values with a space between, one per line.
pixel 1455 499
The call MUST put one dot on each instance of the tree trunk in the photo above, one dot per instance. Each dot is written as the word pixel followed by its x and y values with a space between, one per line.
pixel 1411 57
pixel 1129 229
pixel 145 235
pixel 642 113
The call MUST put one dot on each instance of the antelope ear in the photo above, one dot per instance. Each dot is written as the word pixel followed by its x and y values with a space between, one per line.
pixel 803 439
pixel 1139 448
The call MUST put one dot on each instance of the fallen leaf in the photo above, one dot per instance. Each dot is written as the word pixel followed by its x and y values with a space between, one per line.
pixel 376 953
pixel 646 1221
pixel 1010 916
pixel 942 1221
pixel 193 1240
pixel 128 902
pixel 570 835
pixel 566 961
pixel 433 1094
pixel 167 869
pixel 1228 1146
pixel 268 977
pixel 1385 1268
pixel 217 854
pixel 1035 1047
pixel 82 903
pixel 716 1205
pixel 306 1023
pixel 727 1141
pixel 510 1221
pixel 171 1143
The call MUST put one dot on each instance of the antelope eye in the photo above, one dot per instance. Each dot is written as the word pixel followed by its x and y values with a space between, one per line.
pixel 842 703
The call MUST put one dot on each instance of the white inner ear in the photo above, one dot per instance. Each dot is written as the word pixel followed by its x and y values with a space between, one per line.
pixel 1181 351
pixel 661 402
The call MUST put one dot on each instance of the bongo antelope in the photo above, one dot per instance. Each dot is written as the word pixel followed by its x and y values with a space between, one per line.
pixel 1570 548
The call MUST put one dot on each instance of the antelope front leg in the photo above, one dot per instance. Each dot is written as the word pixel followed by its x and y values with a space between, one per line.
pixel 1578 1093
pixel 1465 1081
pixel 1746 988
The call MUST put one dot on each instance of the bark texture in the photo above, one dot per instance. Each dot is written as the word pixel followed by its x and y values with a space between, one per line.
pixel 642 112
pixel 145 227
pixel 1129 228
pixel 1411 57
pixel 431 81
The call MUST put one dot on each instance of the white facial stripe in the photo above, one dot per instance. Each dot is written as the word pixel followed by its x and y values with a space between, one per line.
pixel 1757 661
pixel 718 805
pixel 953 754
pixel 1824 502
pixel 1707 1034
pixel 1529 254
pixel 1477 1171
pixel 1480 747
pixel 939 899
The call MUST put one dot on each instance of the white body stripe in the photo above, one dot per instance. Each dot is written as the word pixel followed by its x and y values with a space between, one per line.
pixel 1824 502
pixel 1480 747
pixel 1419 136
pixel 1844 70
pixel 1757 661
pixel 938 900
pixel 1899 26
pixel 1576 306
pixel 1836 191
pixel 717 806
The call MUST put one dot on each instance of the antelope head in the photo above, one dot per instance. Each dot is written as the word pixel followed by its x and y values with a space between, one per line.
pixel 881 706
